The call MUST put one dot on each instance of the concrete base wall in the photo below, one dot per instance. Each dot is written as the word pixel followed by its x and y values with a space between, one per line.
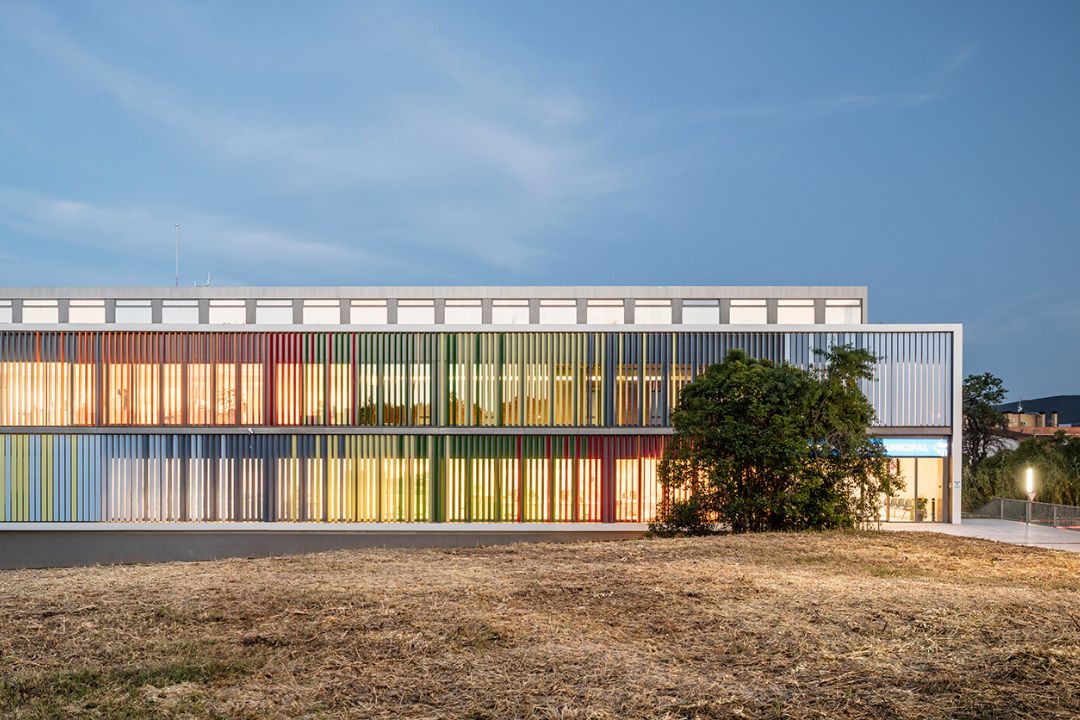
pixel 73 547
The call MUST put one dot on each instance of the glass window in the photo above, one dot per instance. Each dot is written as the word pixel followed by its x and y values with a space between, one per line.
pixel 930 501
pixel 133 312
pixel 322 312
pixel 558 312
pixel 274 312
pixel 795 312
pixel 41 311
pixel 227 312
pixel 652 312
pixel 606 312
pixel 510 312
pixel 180 312
pixel 463 312
pixel 416 312
pixel 701 312
pixel 748 312
pixel 843 312
pixel 368 312
pixel 86 311
pixel 5 311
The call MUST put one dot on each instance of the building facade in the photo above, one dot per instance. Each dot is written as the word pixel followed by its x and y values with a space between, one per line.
pixel 355 407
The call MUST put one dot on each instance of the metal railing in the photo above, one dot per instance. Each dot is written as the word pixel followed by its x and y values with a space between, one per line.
pixel 1063 516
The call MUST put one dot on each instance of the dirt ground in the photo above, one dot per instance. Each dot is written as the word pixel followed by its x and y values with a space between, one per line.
pixel 870 625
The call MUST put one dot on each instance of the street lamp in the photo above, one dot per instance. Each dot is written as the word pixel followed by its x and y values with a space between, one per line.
pixel 1029 484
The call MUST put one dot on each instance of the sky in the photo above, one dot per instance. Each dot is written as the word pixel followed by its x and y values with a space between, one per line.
pixel 928 150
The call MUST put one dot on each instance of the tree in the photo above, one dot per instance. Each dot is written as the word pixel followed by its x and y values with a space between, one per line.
pixel 981 419
pixel 760 446
pixel 1055 459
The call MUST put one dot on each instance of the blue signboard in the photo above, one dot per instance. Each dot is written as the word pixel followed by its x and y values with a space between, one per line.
pixel 916 447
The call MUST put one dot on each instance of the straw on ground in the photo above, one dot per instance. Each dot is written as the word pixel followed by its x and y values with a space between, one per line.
pixel 801 626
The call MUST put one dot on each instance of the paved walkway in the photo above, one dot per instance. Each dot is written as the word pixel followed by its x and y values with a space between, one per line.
pixel 1008 531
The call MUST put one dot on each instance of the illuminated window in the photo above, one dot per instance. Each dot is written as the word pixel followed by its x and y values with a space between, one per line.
pixel 172 400
pixel 843 312
pixel 314 393
pixel 340 394
pixel 748 312
pixel 251 394
pixel 88 312
pixel 627 398
pixel 605 312
pixel 701 312
pixel 37 393
pixel 628 496
pixel 225 394
pixel 131 393
pixel 287 393
pixel 509 312
pixel 795 312
pixel 5 311
pixel 558 312
pixel 590 482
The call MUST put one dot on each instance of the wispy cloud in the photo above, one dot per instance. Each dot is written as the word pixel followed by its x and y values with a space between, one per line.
pixel 520 151
pixel 936 86
pixel 130 233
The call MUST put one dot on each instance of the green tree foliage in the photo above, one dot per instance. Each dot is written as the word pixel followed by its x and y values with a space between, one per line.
pixel 1055 459
pixel 760 446
pixel 981 420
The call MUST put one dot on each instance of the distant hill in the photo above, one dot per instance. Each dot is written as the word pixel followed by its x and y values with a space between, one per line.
pixel 1067 406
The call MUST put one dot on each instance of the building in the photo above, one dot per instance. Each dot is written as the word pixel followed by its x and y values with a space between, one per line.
pixel 213 421
pixel 1056 411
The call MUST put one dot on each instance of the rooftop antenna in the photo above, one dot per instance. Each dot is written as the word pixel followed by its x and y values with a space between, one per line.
pixel 207 278
pixel 177 254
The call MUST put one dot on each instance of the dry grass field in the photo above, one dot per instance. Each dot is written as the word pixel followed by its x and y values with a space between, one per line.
pixel 903 625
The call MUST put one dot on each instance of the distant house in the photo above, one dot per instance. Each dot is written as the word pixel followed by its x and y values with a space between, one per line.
pixel 1055 411
pixel 1041 417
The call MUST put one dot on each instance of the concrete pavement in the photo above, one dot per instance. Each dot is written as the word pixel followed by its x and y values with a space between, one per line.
pixel 1007 531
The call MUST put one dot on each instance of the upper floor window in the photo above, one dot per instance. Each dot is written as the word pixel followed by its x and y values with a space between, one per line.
pixel 605 312
pixel 701 312
pixel 41 311
pixel 795 312
pixel 558 312
pixel 274 312
pixel 652 312
pixel 86 312
pixel 5 311
pixel 748 312
pixel 843 311
pixel 134 312
pixel 463 312
pixel 416 312
pixel 227 312
pixel 322 312
pixel 510 312
pixel 367 312
pixel 180 312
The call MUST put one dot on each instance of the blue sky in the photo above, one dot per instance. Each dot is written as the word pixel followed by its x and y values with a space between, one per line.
pixel 928 150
